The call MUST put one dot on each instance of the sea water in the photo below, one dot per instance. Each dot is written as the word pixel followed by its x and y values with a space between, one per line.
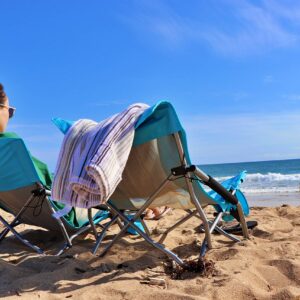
pixel 268 183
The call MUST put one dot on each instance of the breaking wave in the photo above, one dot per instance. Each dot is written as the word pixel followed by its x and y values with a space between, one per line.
pixel 269 183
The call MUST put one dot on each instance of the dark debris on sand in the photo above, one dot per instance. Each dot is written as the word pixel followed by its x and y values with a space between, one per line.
pixel 201 267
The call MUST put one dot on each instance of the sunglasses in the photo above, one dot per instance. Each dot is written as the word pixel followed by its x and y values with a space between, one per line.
pixel 11 110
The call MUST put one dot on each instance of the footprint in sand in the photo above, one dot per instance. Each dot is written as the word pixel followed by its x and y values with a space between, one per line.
pixel 287 212
pixel 262 234
pixel 225 255
pixel 290 269
pixel 194 290
pixel 285 294
pixel 296 222
pixel 268 229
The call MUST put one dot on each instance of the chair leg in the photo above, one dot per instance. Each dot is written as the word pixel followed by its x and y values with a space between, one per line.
pixel 15 222
pixel 63 249
pixel 145 227
pixel 19 237
pixel 92 222
pixel 228 235
pixel 211 229
pixel 243 221
pixel 67 245
pixel 136 216
pixel 103 233
pixel 62 228
pixel 201 213
pixel 128 223
pixel 192 192
pixel 140 232
pixel 190 215
pixel 4 233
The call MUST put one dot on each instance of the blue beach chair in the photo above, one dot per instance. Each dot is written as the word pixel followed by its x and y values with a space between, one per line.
pixel 25 192
pixel 159 172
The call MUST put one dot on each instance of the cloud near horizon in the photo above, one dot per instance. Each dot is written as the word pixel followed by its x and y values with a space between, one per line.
pixel 235 138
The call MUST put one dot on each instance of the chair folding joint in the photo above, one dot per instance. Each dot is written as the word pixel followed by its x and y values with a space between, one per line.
pixel 39 192
pixel 183 170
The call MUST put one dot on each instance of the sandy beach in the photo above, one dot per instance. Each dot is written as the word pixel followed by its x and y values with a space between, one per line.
pixel 273 200
pixel 265 267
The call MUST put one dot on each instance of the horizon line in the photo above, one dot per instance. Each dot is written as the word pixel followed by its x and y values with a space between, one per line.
pixel 245 162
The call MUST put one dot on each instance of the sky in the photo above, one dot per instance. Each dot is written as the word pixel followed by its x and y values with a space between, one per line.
pixel 231 68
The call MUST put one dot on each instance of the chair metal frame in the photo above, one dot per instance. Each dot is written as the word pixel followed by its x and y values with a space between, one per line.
pixel 42 192
pixel 189 171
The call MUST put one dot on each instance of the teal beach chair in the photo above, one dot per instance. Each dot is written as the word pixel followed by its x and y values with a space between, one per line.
pixel 159 172
pixel 25 184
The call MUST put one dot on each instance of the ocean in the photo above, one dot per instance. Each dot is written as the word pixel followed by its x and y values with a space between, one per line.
pixel 268 183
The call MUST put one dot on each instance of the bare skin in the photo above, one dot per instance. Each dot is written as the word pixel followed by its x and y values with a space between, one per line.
pixel 4 115
pixel 156 212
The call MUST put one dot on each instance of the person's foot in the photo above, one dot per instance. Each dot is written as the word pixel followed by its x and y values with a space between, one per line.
pixel 149 214
pixel 156 213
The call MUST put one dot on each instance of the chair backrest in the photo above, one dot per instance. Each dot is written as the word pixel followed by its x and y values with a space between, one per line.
pixel 19 177
pixel 150 161
pixel 152 156
pixel 16 167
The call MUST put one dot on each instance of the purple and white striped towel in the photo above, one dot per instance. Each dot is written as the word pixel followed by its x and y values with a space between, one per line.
pixel 92 158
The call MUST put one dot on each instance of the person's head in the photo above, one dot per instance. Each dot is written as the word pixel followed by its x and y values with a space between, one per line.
pixel 6 111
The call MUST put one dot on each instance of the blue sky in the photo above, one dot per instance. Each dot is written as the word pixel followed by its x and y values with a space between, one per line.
pixel 231 68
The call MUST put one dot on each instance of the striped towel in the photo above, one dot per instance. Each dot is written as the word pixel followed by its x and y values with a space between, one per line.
pixel 92 158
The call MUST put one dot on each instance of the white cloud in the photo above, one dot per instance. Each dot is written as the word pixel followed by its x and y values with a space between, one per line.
pixel 250 28
pixel 258 30
pixel 288 9
pixel 293 98
pixel 240 96
pixel 158 18
pixel 268 79
pixel 109 103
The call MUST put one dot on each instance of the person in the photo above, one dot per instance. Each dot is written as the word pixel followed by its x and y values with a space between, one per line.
pixel 6 111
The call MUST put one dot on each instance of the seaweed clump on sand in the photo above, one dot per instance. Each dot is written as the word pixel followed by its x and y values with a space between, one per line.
pixel 202 267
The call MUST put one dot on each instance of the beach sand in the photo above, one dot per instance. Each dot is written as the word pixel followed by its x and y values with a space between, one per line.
pixel 273 199
pixel 265 267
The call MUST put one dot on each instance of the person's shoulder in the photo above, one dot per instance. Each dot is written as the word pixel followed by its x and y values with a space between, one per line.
pixel 9 135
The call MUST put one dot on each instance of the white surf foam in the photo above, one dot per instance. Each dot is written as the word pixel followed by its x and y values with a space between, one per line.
pixel 269 183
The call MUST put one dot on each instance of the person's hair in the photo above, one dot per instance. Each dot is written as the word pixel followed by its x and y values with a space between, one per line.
pixel 3 96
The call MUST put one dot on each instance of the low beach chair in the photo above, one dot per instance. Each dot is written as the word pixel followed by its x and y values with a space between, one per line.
pixel 25 192
pixel 159 172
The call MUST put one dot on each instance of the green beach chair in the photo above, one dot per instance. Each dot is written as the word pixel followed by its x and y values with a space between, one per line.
pixel 25 184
